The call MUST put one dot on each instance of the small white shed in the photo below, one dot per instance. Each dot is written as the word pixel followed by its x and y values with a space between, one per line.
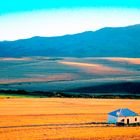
pixel 124 116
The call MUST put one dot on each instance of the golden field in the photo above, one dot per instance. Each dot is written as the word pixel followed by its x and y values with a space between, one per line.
pixel 62 118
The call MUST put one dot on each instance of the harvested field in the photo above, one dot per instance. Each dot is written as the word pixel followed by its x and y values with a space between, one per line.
pixel 62 118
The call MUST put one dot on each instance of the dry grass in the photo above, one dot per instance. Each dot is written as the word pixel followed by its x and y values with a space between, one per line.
pixel 31 112
pixel 48 133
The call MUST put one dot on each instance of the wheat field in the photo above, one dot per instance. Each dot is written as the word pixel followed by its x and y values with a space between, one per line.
pixel 63 118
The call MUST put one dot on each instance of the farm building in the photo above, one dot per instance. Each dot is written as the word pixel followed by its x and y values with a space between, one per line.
pixel 124 116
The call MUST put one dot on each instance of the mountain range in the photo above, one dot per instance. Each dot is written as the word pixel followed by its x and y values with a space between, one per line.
pixel 106 42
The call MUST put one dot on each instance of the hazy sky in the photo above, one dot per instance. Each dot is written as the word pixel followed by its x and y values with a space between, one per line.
pixel 27 18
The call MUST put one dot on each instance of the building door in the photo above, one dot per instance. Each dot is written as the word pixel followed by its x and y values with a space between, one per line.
pixel 127 121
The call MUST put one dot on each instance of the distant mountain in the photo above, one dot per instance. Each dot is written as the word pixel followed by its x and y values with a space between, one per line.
pixel 116 42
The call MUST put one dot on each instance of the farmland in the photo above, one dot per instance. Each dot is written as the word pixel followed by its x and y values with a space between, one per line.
pixel 26 116
pixel 63 118
pixel 68 74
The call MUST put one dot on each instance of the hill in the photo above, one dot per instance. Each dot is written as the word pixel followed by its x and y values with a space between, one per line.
pixel 106 42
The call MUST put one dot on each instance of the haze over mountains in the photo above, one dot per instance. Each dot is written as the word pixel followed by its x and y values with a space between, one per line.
pixel 106 42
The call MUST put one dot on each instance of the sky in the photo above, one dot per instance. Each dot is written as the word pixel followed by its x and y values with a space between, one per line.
pixel 27 18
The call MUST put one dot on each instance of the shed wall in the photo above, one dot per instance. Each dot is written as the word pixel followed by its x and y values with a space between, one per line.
pixel 135 119
pixel 112 119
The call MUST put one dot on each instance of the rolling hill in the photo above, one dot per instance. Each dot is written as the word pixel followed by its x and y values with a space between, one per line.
pixel 106 42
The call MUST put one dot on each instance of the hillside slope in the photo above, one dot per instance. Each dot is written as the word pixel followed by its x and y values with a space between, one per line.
pixel 118 42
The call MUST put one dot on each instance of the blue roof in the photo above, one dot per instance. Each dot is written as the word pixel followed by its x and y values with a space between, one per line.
pixel 123 112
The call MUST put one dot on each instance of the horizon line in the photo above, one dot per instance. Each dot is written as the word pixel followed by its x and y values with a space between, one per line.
pixel 71 33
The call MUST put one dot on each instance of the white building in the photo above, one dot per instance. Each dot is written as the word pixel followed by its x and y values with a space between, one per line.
pixel 124 116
